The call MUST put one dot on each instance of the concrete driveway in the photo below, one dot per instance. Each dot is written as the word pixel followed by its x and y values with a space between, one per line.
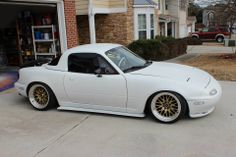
pixel 25 132
pixel 206 49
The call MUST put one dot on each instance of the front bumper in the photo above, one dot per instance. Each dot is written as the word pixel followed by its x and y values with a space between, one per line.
pixel 21 88
pixel 200 107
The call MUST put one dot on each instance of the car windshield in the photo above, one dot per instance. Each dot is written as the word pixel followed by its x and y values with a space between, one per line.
pixel 126 60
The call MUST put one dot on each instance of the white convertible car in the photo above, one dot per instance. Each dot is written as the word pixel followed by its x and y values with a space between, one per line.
pixel 109 78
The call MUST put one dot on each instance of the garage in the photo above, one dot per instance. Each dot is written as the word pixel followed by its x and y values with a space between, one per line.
pixel 31 30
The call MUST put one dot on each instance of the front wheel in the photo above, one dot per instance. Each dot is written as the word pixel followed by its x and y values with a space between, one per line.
pixel 41 97
pixel 167 107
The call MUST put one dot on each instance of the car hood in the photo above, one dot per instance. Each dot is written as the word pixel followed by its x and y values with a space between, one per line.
pixel 176 72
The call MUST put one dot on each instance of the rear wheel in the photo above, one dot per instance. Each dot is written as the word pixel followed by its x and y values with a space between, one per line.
pixel 41 97
pixel 167 107
pixel 220 39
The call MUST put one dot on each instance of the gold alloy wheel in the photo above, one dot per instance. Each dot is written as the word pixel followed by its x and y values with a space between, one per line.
pixel 41 96
pixel 38 96
pixel 166 106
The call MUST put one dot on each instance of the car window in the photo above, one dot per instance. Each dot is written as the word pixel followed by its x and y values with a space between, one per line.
pixel 205 29
pixel 105 66
pixel 211 30
pixel 125 59
pixel 89 63
pixel 83 63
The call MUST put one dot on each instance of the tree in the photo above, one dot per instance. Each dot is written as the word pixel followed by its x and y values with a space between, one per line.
pixel 229 13
pixel 195 10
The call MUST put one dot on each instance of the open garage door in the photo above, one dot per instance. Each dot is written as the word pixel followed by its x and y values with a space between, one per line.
pixel 31 30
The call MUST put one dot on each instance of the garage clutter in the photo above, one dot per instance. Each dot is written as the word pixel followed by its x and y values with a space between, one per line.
pixel 34 36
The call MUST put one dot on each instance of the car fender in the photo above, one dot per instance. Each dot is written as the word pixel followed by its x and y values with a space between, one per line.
pixel 195 35
pixel 219 35
pixel 139 95
pixel 53 79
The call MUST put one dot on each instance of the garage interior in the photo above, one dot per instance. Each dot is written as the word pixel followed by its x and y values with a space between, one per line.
pixel 28 31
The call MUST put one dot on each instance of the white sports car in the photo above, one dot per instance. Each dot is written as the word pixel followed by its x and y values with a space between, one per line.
pixel 109 78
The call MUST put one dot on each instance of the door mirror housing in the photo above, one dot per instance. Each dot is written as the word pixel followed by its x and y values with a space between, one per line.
pixel 100 71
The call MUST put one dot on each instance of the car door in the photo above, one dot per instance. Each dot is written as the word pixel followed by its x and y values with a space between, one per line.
pixel 204 34
pixel 92 81
pixel 212 33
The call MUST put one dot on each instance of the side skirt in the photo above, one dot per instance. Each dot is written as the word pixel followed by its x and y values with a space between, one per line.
pixel 101 111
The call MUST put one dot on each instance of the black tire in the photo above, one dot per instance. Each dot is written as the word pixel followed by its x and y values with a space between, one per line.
pixel 220 39
pixel 41 97
pixel 162 112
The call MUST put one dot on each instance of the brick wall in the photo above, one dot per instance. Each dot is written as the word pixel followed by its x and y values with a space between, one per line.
pixel 110 28
pixel 71 24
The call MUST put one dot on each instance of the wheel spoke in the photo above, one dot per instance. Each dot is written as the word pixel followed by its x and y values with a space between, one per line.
pixel 167 106
pixel 40 96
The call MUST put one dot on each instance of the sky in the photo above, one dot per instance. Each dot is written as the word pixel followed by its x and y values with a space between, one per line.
pixel 204 3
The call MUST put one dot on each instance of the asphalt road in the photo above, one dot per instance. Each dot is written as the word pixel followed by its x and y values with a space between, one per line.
pixel 25 132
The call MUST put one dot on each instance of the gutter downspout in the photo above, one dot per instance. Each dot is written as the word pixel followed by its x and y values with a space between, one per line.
pixel 178 33
pixel 92 27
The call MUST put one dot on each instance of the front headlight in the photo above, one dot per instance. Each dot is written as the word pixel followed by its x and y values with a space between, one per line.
pixel 213 92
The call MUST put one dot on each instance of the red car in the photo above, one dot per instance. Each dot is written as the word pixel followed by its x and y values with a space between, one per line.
pixel 211 34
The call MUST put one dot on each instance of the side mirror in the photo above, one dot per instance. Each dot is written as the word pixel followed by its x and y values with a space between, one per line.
pixel 98 72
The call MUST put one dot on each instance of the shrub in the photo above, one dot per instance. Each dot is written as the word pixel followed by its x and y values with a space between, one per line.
pixel 164 38
pixel 150 49
pixel 193 41
pixel 159 49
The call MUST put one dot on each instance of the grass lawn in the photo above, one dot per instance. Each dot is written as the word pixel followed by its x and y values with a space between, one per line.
pixel 221 66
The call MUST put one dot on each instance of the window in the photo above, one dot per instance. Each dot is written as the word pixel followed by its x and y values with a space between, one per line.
pixel 211 17
pixel 89 63
pixel 211 30
pixel 142 26
pixel 152 34
pixel 144 23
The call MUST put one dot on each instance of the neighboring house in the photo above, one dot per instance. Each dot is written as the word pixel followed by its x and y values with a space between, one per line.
pixel 218 16
pixel 145 19
pixel 214 16
pixel 173 18
pixel 191 21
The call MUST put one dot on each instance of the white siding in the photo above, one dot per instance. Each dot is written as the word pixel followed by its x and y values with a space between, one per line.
pixel 183 29
pixel 173 7
pixel 109 3
pixel 81 7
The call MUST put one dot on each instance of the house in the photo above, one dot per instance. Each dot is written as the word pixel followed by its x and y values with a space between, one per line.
pixel 191 21
pixel 214 16
pixel 105 21
pixel 173 18
pixel 118 21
